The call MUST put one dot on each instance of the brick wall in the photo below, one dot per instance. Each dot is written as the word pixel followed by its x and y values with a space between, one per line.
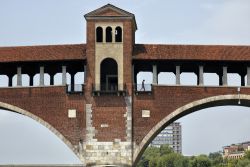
pixel 166 99
pixel 50 104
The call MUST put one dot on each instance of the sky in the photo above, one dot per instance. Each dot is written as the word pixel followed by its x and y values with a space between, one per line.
pixel 46 22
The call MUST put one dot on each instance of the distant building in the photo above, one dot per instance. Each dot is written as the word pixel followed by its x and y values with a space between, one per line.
pixel 236 151
pixel 171 135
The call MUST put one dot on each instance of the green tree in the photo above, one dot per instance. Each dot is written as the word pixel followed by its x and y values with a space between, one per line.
pixel 200 161
pixel 232 162
pixel 243 163
pixel 247 155
pixel 216 158
pixel 165 149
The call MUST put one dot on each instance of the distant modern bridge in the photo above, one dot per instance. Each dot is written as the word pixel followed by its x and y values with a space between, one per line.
pixel 111 118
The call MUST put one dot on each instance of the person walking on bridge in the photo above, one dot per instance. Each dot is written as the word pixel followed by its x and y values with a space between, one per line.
pixel 142 86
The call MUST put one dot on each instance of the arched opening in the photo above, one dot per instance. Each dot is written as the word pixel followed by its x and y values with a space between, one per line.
pixel 58 78
pixel 109 75
pixel 211 79
pixel 4 81
pixel 118 34
pixel 214 101
pixel 147 77
pixel 25 80
pixel 36 79
pixel 108 34
pixel 234 79
pixel 99 34
pixel 32 145
pixel 79 78
pixel 166 78
pixel 188 78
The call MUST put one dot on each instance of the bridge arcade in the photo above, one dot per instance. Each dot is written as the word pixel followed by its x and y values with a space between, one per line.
pixel 106 121
pixel 221 70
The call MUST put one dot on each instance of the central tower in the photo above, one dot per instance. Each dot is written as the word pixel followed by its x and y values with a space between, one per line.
pixel 110 41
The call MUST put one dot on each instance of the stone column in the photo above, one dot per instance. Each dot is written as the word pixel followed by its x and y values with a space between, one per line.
pixel 19 76
pixel 155 77
pixel 224 77
pixel 41 76
pixel 201 76
pixel 104 34
pixel 113 34
pixel 178 75
pixel 64 75
pixel 248 76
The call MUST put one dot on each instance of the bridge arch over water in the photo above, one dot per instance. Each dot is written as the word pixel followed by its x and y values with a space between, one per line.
pixel 213 101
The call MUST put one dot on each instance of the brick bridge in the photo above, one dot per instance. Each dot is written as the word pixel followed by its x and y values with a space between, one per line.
pixel 110 118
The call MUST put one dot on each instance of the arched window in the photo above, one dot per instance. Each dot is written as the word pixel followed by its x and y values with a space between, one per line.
pixel 108 34
pixel 118 34
pixel 99 34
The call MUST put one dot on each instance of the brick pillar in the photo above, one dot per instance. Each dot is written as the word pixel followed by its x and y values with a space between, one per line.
pixel 178 75
pixel 64 75
pixel 85 73
pixel 201 75
pixel 41 76
pixel 133 74
pixel 155 77
pixel 224 77
pixel 19 76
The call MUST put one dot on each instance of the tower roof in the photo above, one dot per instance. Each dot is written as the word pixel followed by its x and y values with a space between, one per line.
pixel 109 11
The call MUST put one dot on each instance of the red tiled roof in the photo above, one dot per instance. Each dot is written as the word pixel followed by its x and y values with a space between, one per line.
pixel 191 52
pixel 43 53
pixel 141 52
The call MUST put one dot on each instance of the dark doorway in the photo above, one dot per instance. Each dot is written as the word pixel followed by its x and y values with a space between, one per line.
pixel 109 77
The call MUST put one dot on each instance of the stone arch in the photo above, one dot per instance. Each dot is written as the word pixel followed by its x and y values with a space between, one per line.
pixel 220 100
pixel 109 74
pixel 16 109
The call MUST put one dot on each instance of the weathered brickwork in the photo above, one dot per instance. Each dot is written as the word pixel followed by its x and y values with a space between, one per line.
pixel 166 99
pixel 50 104
pixel 110 128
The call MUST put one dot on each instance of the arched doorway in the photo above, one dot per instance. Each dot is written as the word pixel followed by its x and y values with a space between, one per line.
pixel 221 100
pixel 109 75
